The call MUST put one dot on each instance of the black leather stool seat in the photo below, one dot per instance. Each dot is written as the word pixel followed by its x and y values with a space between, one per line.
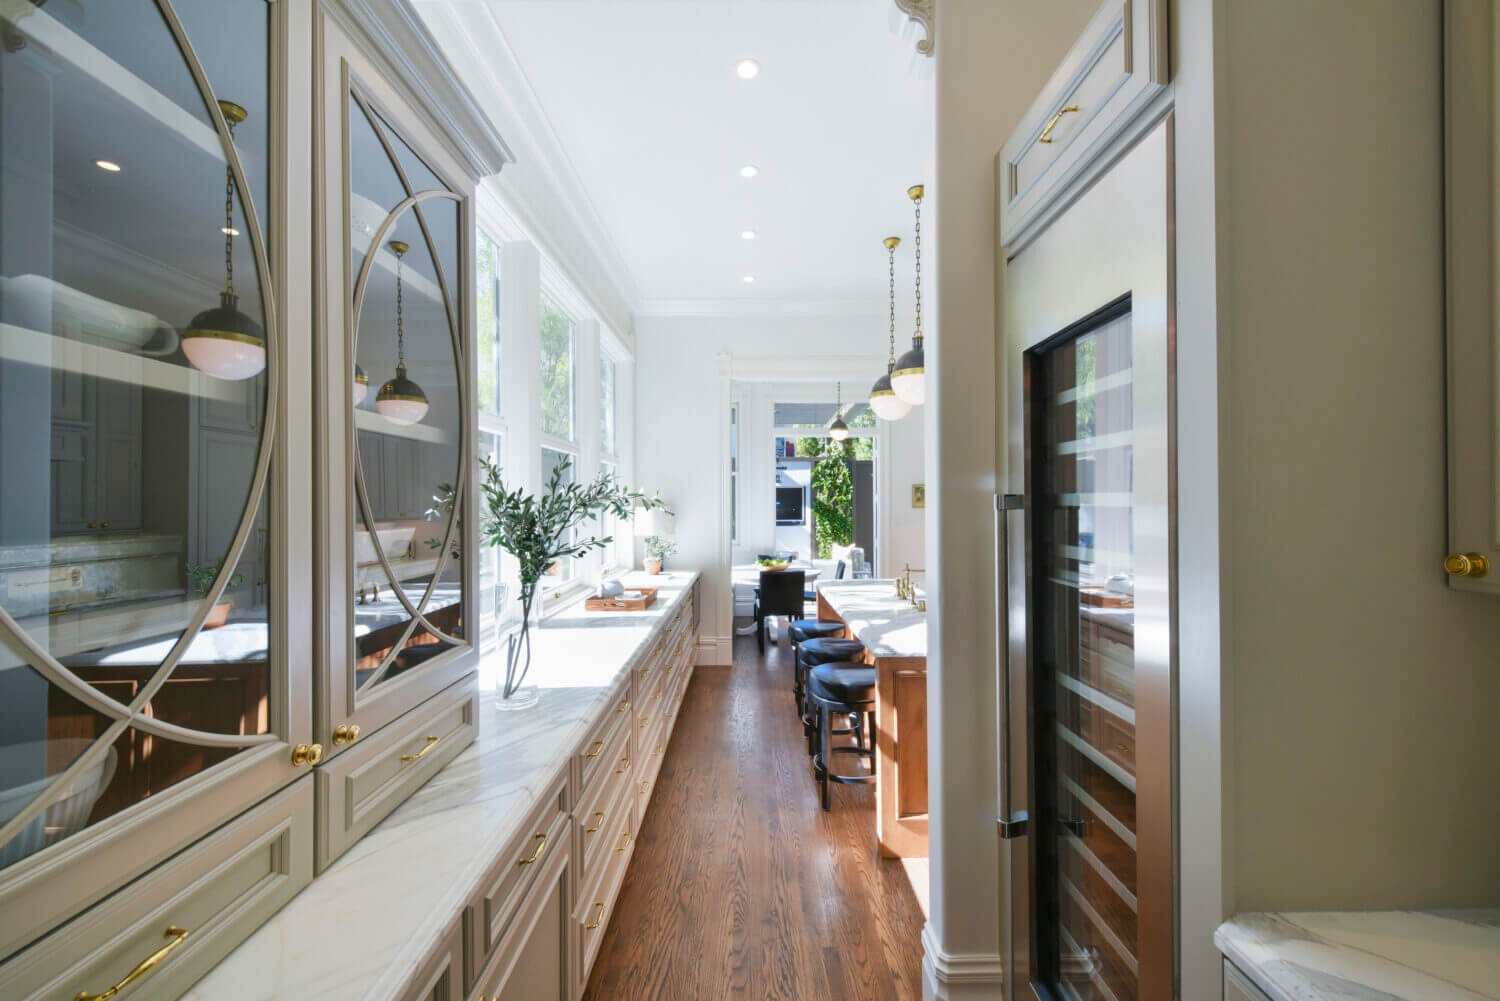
pixel 813 652
pixel 802 630
pixel 843 681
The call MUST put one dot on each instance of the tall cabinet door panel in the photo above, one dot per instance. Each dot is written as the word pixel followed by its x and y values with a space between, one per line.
pixel 148 695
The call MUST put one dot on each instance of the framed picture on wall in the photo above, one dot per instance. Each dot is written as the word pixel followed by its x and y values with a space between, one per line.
pixel 919 495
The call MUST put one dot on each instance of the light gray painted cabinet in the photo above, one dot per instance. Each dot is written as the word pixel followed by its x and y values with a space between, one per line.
pixel 182 666
pixel 1472 560
pixel 1237 986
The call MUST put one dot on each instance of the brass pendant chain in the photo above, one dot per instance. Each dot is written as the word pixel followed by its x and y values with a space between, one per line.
pixel 892 252
pixel 918 252
pixel 229 221
pixel 400 333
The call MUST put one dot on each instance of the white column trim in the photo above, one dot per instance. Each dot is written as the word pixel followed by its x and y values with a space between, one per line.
pixel 969 977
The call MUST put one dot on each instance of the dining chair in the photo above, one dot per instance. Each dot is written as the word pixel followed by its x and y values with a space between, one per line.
pixel 780 594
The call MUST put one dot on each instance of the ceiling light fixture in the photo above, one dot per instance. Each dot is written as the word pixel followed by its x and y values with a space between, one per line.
pixel 909 378
pixel 838 430
pixel 229 231
pixel 749 170
pixel 223 341
pixel 747 69
pixel 883 399
pixel 748 234
pixel 109 165
pixel 400 400
pixel 749 279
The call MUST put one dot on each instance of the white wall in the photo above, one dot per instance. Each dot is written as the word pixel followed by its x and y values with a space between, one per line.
pixel 682 414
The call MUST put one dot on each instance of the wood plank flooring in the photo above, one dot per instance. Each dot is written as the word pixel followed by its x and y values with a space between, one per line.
pixel 741 886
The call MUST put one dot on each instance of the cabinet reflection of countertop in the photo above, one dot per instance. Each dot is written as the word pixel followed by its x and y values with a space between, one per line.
pixel 1439 955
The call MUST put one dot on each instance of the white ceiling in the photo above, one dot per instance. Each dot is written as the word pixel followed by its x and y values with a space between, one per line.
pixel 643 98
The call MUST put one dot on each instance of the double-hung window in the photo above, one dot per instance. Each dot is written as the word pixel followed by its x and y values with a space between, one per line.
pixel 559 409
pixel 492 589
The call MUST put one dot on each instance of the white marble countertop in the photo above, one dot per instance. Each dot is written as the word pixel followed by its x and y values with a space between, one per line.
pixel 360 929
pixel 888 626
pixel 1368 955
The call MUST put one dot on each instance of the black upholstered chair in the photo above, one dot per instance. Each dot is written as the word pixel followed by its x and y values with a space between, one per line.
pixel 780 593
pixel 842 688
pixel 810 654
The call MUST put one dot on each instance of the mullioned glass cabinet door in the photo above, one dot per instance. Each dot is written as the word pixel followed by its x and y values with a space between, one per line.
pixel 145 689
pixel 397 258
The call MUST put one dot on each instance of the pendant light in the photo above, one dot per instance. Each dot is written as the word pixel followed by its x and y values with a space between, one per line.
pixel 361 385
pixel 400 399
pixel 908 378
pixel 222 341
pixel 838 430
pixel 883 399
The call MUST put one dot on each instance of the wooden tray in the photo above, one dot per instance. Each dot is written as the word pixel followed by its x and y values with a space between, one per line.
pixel 645 601
pixel 1101 598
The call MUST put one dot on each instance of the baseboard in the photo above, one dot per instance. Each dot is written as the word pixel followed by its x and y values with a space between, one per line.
pixel 967 977
pixel 715 650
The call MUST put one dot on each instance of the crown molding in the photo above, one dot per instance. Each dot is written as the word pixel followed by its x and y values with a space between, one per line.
pixel 551 185
pixel 759 308
pixel 396 34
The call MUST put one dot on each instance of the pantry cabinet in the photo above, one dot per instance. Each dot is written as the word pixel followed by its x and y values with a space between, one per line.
pixel 181 675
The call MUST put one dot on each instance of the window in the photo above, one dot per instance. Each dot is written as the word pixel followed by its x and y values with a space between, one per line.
pixel 491 584
pixel 487 308
pixel 563 570
pixel 611 526
pixel 557 373
pixel 607 406
pixel 734 473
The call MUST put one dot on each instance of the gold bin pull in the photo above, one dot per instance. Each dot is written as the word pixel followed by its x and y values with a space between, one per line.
pixel 431 743
pixel 175 936
pixel 598 749
pixel 541 847
pixel 624 841
pixel 1046 136
pixel 598 917
pixel 597 825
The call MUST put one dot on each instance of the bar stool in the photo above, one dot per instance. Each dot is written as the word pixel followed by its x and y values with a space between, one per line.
pixel 843 687
pixel 802 630
pixel 810 654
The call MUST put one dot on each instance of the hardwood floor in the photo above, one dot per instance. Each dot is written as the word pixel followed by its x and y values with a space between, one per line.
pixel 741 887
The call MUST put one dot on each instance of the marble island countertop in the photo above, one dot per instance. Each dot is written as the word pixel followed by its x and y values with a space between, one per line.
pixel 1451 955
pixel 888 626
pixel 358 931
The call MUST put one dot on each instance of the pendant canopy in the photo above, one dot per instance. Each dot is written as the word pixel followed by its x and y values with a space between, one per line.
pixel 222 341
pixel 883 399
pixel 909 377
pixel 400 399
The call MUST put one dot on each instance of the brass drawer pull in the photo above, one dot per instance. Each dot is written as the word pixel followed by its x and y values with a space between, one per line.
pixel 307 754
pixel 645 673
pixel 598 917
pixel 661 749
pixel 644 721
pixel 591 830
pixel 623 707
pixel 1467 565
pixel 431 743
pixel 624 765
pixel 539 849
pixel 175 936
pixel 624 842
pixel 598 750
pixel 345 733
pixel 1046 136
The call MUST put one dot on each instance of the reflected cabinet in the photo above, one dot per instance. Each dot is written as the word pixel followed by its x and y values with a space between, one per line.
pixel 233 587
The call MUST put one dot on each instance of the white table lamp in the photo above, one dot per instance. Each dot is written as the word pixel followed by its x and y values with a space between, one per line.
pixel 654 522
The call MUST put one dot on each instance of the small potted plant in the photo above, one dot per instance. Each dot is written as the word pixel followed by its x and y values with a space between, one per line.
pixel 657 550
pixel 201 578
pixel 538 532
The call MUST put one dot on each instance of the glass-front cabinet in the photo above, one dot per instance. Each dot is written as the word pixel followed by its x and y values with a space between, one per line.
pixel 199 466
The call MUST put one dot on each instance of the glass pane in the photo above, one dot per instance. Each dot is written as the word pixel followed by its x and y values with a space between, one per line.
pixel 557 371
pixel 409 428
pixel 1085 684
pixel 607 406
pixel 552 460
pixel 132 398
pixel 487 304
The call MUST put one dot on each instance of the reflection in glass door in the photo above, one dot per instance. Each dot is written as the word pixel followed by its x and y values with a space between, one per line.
pixel 1083 683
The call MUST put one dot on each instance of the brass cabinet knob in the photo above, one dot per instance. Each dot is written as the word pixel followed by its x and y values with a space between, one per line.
pixel 1467 564
pixel 345 733
pixel 307 754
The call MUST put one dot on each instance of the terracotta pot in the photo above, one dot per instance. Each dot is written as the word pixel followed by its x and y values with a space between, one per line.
pixel 653 566
pixel 218 616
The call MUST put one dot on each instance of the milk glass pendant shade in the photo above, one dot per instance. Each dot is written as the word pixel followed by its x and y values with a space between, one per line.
pixel 883 399
pixel 838 430
pixel 909 377
pixel 400 399
pixel 222 341
pixel 361 386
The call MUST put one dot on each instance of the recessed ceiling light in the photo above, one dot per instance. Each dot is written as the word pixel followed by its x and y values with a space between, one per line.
pixel 229 231
pixel 749 170
pixel 748 234
pixel 748 69
pixel 109 165
pixel 749 279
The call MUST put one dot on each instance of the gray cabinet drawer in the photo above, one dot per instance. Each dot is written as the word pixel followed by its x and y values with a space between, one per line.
pixel 438 977
pixel 173 924
pixel 597 900
pixel 1237 986
pixel 534 960
pixel 544 835
pixel 594 753
pixel 369 780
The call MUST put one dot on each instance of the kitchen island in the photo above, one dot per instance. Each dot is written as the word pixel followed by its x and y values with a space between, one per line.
pixel 894 633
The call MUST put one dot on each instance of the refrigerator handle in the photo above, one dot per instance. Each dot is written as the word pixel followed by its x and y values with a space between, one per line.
pixel 1012 822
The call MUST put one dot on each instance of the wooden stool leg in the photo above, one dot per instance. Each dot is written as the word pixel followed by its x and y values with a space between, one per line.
pixel 825 747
